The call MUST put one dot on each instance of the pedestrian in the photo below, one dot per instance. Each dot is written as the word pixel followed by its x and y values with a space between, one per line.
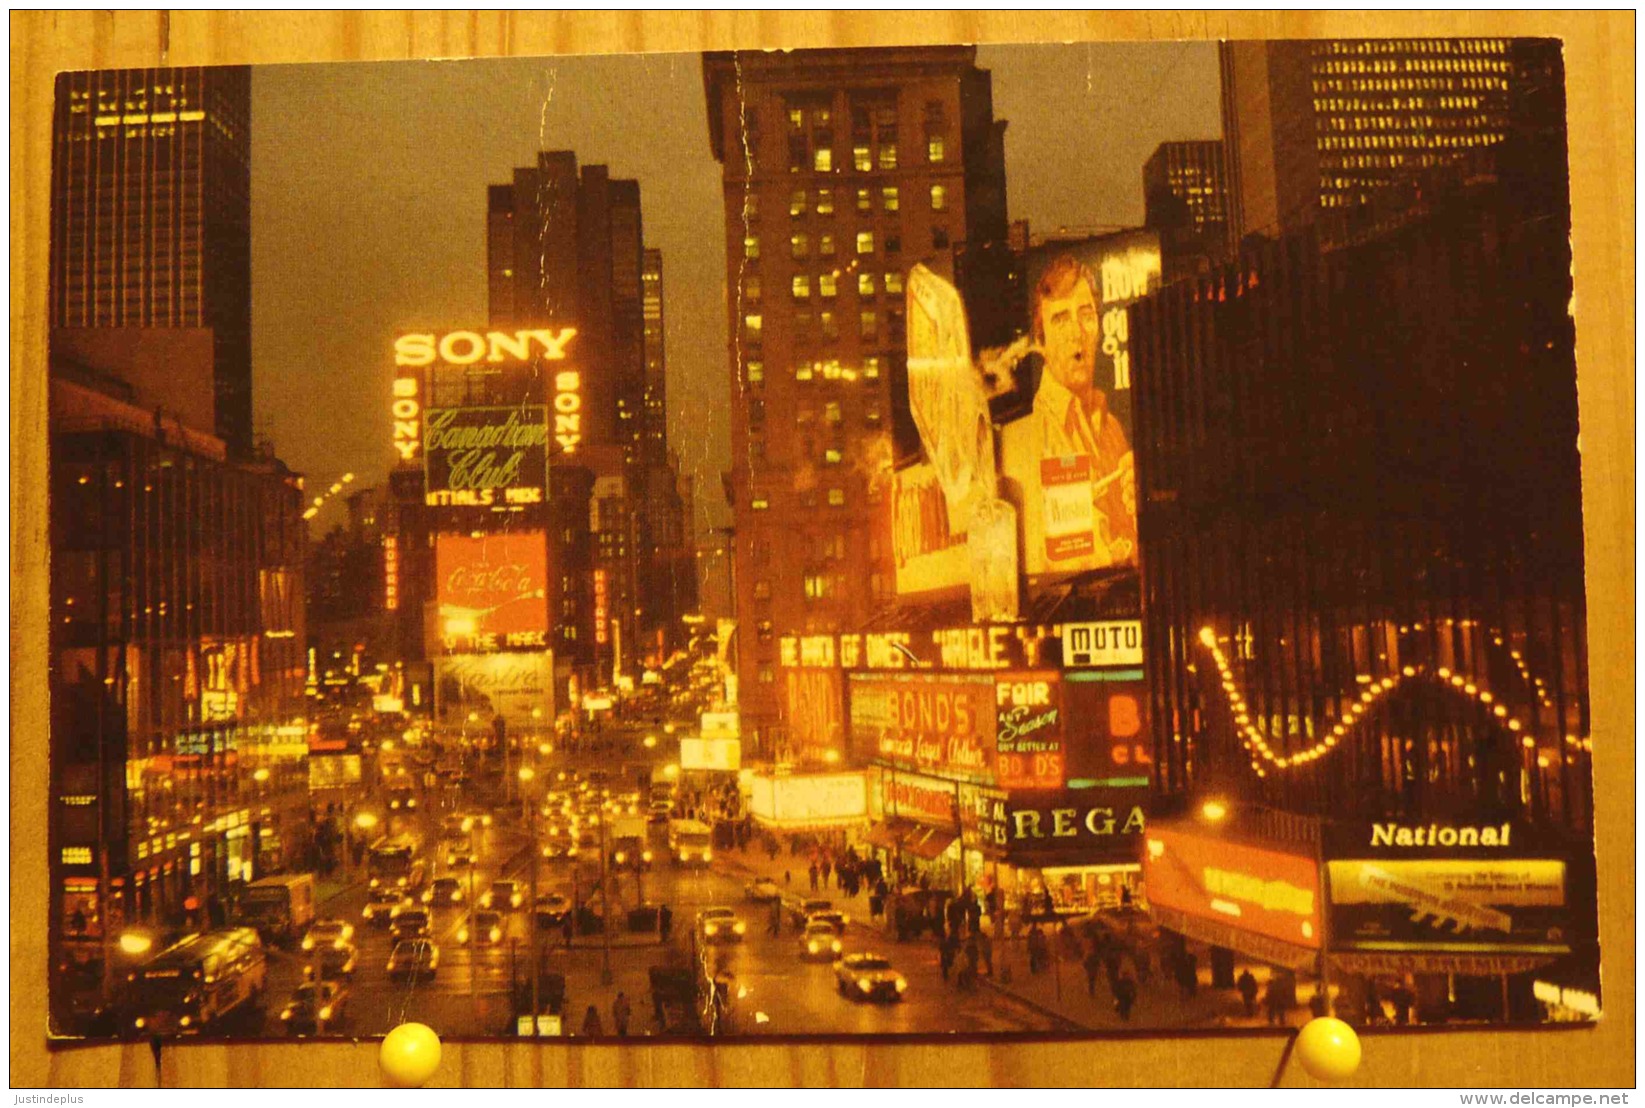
pixel 1318 1006
pixel 985 946
pixel 1403 1000
pixel 876 905
pixel 591 1022
pixel 813 872
pixel 1125 996
pixel 946 947
pixel 788 877
pixel 1247 986
pixel 1038 949
pixel 665 922
pixel 620 1011
pixel 1093 964
pixel 973 959
pixel 825 868
pixel 1188 974
pixel 1273 1000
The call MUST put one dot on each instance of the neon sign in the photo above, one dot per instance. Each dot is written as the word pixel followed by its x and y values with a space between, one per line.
pixel 468 347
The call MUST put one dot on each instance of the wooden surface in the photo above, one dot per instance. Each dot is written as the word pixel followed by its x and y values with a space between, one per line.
pixel 1599 56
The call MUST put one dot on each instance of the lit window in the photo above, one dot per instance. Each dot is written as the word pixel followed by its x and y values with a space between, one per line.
pixel 759 504
pixel 865 242
pixel 836 498
pixel 751 247
pixel 803 371
pixel 831 456
pixel 825 245
pixel 871 366
pixel 822 160
pixel 830 326
pixel 888 198
pixel 888 155
pixel 872 417
pixel 939 198
pixel 893 281
pixel 752 325
pixel 825 201
pixel 870 325
pixel 831 411
pixel 796 203
pixel 799 245
pixel 865 284
pixel 796 118
pixel 802 287
pixel 756 373
pixel 827 285
pixel 864 202
pixel 860 159
pixel 751 289
pixel 933 148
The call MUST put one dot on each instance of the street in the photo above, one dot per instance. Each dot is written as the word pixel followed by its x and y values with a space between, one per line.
pixel 773 990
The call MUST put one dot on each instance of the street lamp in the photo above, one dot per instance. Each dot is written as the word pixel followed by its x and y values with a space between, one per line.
pixel 135 944
pixel 1214 811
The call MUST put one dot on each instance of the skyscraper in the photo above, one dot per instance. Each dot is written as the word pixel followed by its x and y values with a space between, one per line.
pixel 1186 202
pixel 151 220
pixel 842 169
pixel 1327 126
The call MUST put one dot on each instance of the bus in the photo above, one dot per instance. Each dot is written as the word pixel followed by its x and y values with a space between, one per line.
pixel 279 907
pixel 393 861
pixel 690 842
pixel 198 981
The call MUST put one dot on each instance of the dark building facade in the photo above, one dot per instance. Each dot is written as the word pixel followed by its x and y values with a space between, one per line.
pixel 151 215
pixel 841 169
pixel 179 738
pixel 1363 575
pixel 1324 126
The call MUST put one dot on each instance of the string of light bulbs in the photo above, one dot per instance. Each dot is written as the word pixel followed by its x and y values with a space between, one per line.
pixel 319 501
pixel 1373 692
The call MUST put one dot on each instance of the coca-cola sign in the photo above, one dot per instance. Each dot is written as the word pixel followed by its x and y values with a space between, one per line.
pixel 492 591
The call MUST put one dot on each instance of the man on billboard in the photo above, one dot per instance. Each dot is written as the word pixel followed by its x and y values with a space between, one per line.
pixel 1070 456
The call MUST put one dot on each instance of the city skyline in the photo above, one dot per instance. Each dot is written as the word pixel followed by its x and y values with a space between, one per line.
pixel 322 333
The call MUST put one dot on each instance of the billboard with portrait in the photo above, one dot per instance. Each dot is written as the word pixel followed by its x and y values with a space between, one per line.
pixel 492 591
pixel 1067 464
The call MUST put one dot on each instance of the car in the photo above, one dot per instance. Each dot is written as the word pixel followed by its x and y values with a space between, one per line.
pixel 869 977
pixel 559 850
pixel 324 932
pixel 337 959
pixel 820 942
pixel 315 1007
pixel 830 916
pixel 801 908
pixel 456 827
pixel 505 896
pixel 551 909
pixel 478 818
pixel 459 855
pixel 380 903
pixel 482 928
pixel 413 958
pixel 720 925
pixel 661 811
pixel 445 890
pixel 763 889
pixel 410 923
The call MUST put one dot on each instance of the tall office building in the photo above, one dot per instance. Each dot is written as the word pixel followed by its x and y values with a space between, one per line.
pixel 841 170
pixel 565 248
pixel 1329 126
pixel 1185 200
pixel 151 220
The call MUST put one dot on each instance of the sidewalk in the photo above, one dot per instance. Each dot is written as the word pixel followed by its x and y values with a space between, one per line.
pixel 1062 990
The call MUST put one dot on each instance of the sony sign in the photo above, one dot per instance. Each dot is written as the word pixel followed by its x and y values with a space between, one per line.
pixel 407 410
pixel 468 347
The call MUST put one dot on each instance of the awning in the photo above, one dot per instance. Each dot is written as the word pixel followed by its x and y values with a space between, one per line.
pixel 928 843
pixel 1248 943
pixel 882 836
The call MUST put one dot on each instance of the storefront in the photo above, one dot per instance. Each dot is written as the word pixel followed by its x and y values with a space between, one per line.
pixel 1445 922
pixel 1068 852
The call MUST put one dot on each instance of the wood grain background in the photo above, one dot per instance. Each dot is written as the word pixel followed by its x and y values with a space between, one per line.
pixel 1599 55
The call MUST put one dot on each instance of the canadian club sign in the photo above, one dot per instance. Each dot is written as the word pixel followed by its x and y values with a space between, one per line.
pixel 483 455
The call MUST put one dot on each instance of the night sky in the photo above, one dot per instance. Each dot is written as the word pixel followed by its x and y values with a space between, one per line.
pixel 368 196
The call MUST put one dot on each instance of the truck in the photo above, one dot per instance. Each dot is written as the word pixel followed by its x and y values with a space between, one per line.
pixel 628 842
pixel 279 907
pixel 690 842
